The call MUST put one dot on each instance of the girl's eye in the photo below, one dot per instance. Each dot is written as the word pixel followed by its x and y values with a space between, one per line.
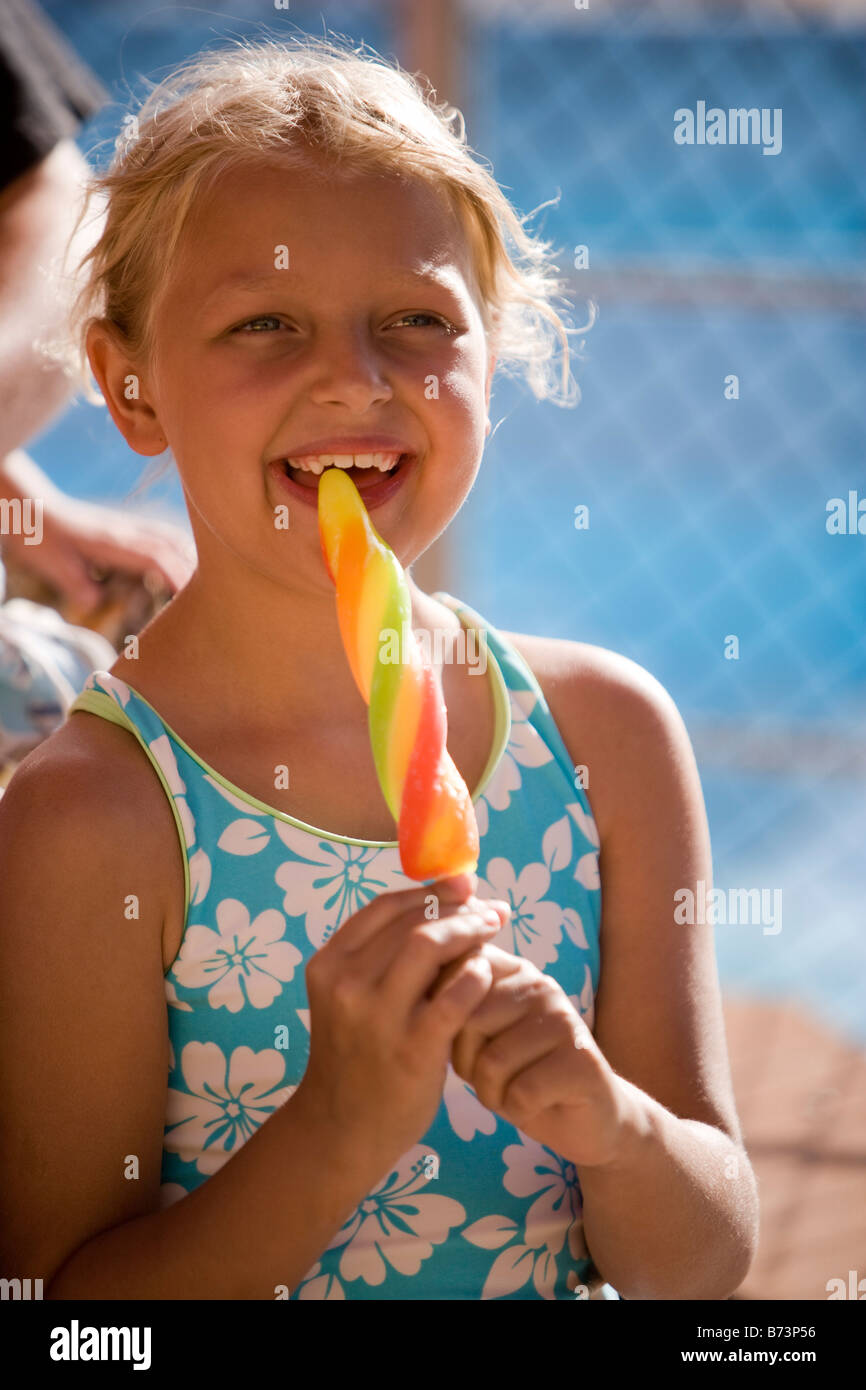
pixel 252 326
pixel 431 318
pixel 264 318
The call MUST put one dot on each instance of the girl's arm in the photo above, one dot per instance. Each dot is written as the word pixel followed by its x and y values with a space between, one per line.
pixel 676 1217
pixel 84 824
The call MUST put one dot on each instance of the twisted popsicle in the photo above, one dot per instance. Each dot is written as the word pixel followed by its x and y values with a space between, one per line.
pixel 436 826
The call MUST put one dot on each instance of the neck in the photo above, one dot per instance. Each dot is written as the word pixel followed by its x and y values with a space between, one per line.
pixel 263 653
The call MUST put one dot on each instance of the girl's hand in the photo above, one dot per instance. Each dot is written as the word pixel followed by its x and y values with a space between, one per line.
pixel 529 1056
pixel 388 992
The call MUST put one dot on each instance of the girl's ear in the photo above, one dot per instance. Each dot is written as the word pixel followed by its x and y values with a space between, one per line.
pixel 123 389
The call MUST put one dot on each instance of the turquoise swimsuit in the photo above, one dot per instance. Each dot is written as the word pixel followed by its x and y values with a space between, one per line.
pixel 476 1209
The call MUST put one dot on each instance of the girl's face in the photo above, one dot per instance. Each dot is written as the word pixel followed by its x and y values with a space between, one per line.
pixel 300 307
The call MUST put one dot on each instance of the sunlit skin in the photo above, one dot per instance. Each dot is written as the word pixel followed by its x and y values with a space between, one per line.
pixel 379 295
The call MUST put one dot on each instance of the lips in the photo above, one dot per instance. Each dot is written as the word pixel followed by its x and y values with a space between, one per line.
pixel 374 486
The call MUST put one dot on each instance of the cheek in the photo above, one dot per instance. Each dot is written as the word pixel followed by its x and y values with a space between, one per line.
pixel 207 424
pixel 464 395
pixel 464 375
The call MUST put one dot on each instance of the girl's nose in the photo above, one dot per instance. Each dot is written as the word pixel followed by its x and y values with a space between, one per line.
pixel 349 373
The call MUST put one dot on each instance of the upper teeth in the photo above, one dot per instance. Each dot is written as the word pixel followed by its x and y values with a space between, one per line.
pixel 315 463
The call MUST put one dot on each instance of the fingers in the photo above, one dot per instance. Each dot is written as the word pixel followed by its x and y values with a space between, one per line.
pixel 111 539
pixel 511 976
pixel 429 943
pixel 461 885
pixel 519 990
pixel 354 934
pixel 394 947
pixel 67 571
pixel 493 1065
pixel 514 994
pixel 419 953
pixel 142 552
pixel 470 978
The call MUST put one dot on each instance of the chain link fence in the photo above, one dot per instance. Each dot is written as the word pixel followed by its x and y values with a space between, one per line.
pixel 721 414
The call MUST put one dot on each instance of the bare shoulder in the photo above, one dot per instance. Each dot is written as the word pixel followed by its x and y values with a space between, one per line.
pixel 588 672
pixel 88 795
pixel 616 719
pixel 88 765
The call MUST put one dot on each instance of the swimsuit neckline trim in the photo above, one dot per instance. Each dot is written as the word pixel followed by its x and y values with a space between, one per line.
pixel 501 737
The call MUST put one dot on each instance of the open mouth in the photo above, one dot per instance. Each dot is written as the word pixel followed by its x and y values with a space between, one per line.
pixel 375 484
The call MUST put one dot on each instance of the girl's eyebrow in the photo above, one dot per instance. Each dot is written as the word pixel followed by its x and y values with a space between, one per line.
pixel 246 281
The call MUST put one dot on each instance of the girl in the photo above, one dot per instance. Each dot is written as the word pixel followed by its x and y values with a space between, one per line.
pixel 270 1064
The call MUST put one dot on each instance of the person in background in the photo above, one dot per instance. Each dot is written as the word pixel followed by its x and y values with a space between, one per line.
pixel 64 546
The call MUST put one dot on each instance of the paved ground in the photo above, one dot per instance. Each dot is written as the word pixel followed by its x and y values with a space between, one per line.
pixel 801 1095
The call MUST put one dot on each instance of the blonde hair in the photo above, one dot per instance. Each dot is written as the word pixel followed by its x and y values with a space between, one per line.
pixel 268 99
